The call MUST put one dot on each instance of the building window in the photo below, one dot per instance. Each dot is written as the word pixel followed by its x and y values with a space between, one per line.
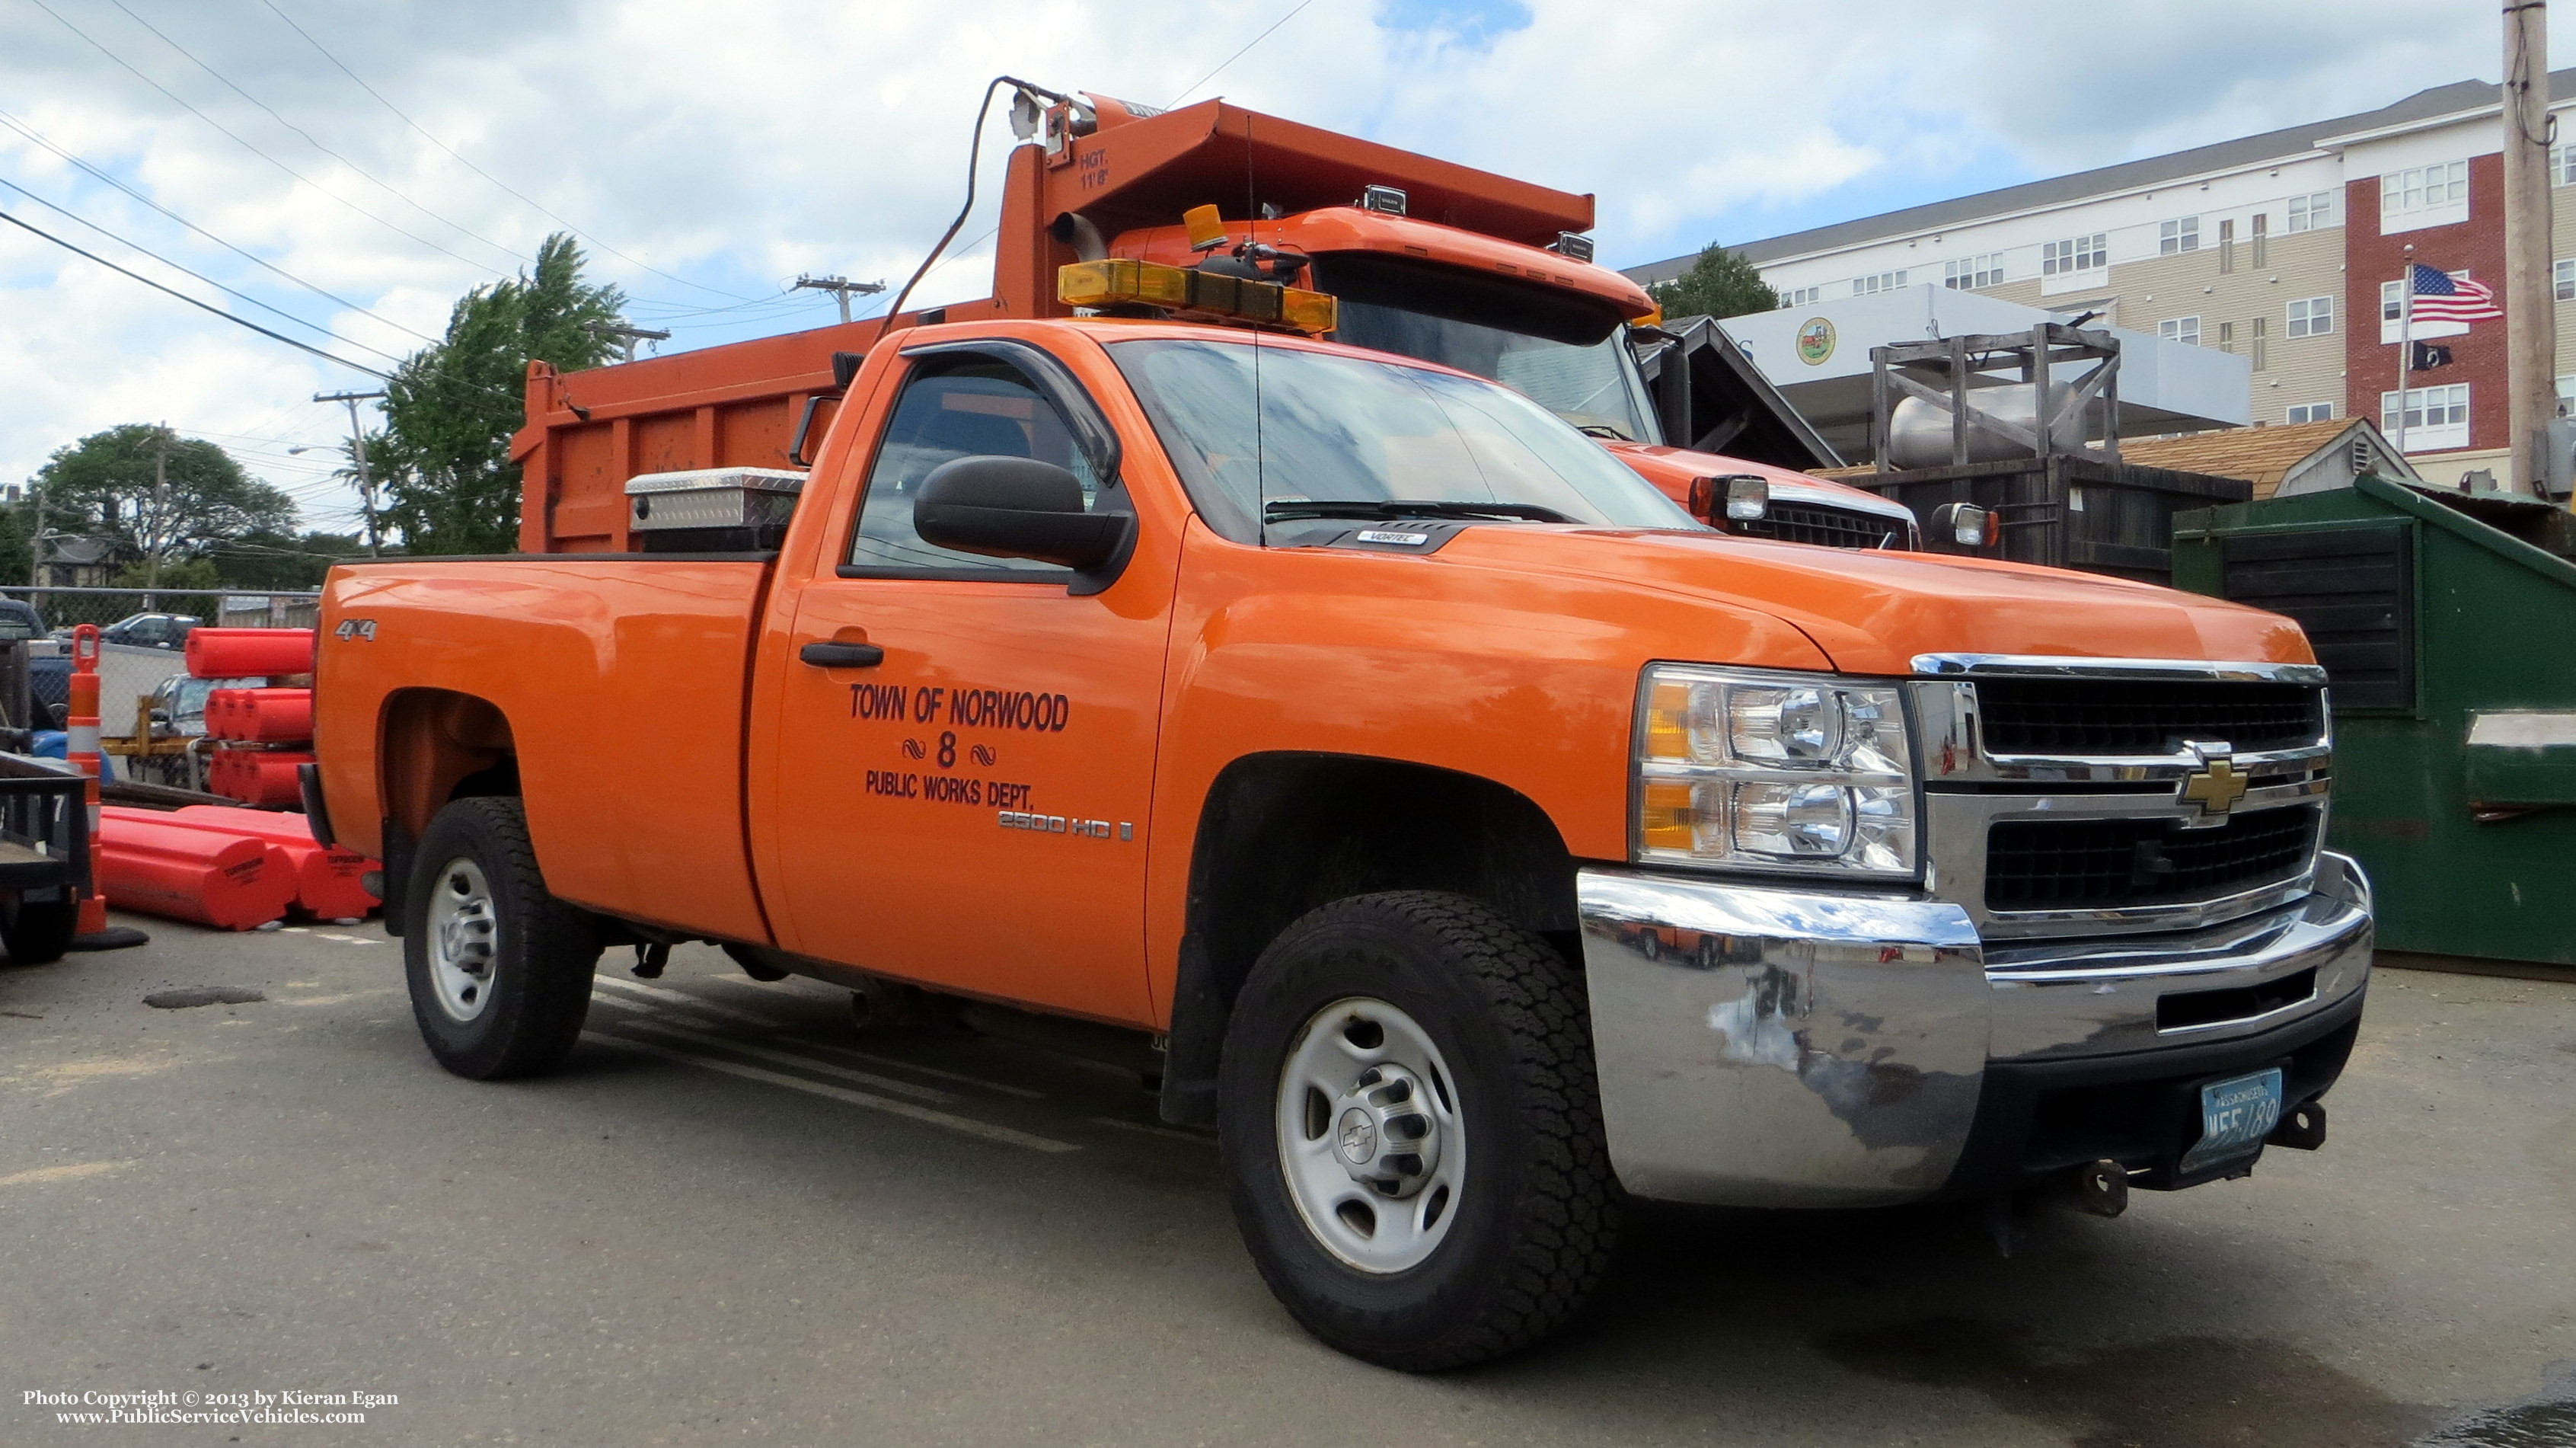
pixel 2227 246
pixel 1872 286
pixel 2311 317
pixel 1970 272
pixel 2567 397
pixel 2178 236
pixel 2562 165
pixel 2180 329
pixel 2227 337
pixel 2319 411
pixel 2562 280
pixel 2082 254
pixel 2312 212
pixel 1801 296
pixel 2392 301
pixel 2436 417
pixel 2262 235
pixel 2262 344
pixel 2423 195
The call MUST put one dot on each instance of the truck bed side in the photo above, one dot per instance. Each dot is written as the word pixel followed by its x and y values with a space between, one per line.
pixel 611 687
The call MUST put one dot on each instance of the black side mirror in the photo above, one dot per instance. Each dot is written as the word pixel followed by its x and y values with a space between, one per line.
pixel 1017 508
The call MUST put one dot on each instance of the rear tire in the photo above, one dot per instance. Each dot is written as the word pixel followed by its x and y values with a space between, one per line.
pixel 38 932
pixel 499 969
pixel 1454 1202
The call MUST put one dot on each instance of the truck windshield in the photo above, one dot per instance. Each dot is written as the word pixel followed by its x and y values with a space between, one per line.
pixel 1569 357
pixel 1332 428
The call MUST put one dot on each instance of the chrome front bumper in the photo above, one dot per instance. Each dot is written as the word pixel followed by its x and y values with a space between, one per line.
pixel 1761 1046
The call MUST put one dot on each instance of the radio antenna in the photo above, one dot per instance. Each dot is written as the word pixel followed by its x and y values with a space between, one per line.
pixel 1260 454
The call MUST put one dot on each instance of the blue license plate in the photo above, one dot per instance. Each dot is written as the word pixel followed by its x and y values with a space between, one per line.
pixel 2235 1116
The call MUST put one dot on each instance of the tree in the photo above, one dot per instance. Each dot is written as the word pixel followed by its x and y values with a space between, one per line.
pixel 180 576
pixel 104 485
pixel 1720 284
pixel 265 561
pixel 450 486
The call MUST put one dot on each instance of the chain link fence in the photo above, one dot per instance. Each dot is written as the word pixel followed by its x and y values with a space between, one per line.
pixel 62 607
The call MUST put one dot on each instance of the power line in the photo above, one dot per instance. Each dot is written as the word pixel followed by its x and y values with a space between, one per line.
pixel 200 276
pixel 1238 55
pixel 470 166
pixel 247 145
pixel 379 183
pixel 32 134
pixel 192 301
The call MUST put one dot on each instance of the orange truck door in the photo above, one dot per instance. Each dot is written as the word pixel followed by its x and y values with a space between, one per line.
pixel 969 810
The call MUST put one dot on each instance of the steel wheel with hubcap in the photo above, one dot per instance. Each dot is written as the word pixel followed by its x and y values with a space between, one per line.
pixel 1370 1139
pixel 464 930
pixel 1410 1123
pixel 499 969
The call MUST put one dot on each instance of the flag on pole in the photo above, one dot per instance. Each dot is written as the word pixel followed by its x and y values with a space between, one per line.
pixel 2442 297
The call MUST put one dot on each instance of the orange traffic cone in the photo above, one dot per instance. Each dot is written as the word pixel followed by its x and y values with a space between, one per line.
pixel 80 749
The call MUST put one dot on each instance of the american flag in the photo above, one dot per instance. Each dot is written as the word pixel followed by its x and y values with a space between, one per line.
pixel 2442 297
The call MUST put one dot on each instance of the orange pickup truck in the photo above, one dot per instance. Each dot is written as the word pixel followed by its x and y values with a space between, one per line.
pixel 1473 836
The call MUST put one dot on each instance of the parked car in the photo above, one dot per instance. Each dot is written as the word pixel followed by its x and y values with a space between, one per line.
pixel 150 630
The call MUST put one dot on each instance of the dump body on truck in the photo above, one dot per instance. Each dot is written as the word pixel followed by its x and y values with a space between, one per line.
pixel 1451 265
pixel 1473 833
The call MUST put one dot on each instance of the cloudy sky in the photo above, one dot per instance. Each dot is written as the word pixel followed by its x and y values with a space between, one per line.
pixel 347 167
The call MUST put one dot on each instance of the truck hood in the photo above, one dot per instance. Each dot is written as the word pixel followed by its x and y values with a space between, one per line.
pixel 1872 612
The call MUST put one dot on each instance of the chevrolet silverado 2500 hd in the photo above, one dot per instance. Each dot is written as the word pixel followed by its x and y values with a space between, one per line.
pixel 1474 834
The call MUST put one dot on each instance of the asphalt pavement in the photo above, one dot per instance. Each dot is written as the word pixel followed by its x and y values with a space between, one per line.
pixel 731 1219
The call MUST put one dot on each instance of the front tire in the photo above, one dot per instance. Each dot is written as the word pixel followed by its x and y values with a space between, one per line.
pixel 1413 1133
pixel 499 969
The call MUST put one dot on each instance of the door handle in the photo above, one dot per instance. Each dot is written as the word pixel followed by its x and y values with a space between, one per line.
pixel 825 654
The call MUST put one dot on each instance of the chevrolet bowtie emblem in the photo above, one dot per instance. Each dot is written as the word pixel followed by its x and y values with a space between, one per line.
pixel 2216 788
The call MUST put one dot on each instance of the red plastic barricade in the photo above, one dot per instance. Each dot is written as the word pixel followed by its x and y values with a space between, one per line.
pixel 230 653
pixel 327 878
pixel 256 776
pixel 260 716
pixel 233 882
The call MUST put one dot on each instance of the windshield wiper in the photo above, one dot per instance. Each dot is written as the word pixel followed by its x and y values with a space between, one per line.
pixel 1285 509
pixel 1602 429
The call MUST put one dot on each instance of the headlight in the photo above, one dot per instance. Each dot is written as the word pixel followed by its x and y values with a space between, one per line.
pixel 1769 770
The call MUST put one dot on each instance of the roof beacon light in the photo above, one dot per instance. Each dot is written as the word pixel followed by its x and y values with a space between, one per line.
pixel 1388 199
pixel 1572 246
pixel 1206 227
pixel 1123 281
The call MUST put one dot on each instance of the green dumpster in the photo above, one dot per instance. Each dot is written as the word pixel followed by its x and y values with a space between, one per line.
pixel 2447 625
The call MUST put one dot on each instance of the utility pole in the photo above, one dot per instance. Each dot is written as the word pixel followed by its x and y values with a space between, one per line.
pixel 160 511
pixel 840 288
pixel 358 456
pixel 627 335
pixel 2530 317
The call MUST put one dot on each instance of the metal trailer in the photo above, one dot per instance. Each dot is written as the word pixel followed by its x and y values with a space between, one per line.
pixel 2065 510
pixel 2442 619
pixel 44 856
pixel 2018 450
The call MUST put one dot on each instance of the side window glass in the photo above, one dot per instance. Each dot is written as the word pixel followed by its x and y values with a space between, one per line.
pixel 969 407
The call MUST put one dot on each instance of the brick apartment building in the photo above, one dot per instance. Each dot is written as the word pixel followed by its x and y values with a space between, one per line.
pixel 2284 247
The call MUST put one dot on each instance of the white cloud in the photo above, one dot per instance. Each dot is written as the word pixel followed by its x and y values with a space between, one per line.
pixel 736 145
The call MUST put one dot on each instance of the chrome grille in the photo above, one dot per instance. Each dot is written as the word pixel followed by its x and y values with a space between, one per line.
pixel 1826 526
pixel 2113 864
pixel 2095 717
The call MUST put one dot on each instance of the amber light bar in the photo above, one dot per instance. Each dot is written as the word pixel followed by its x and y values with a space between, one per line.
pixel 1122 281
